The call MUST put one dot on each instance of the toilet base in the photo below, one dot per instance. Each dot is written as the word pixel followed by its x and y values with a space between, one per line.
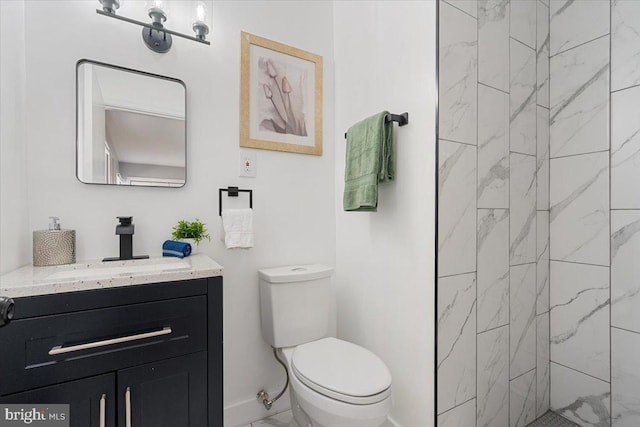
pixel 321 417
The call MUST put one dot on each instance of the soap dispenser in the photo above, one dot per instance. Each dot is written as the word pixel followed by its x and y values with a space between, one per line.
pixel 54 246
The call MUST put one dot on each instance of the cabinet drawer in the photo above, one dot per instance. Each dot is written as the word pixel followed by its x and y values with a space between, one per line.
pixel 50 349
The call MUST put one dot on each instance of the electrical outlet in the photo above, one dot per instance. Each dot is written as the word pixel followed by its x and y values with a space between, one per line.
pixel 248 163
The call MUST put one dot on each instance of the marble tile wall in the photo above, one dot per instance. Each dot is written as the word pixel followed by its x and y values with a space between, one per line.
pixel 493 148
pixel 522 99
pixel 581 398
pixel 625 378
pixel 595 211
pixel 493 268
pixel 457 340
pixel 493 44
pixel 625 147
pixel 579 98
pixel 542 123
pixel 625 269
pixel 460 416
pixel 458 103
pixel 580 317
pixel 522 242
pixel 539 280
pixel 493 377
pixel 625 213
pixel 579 215
pixel 574 22
pixel 543 386
pixel 523 400
pixel 493 255
pixel 625 44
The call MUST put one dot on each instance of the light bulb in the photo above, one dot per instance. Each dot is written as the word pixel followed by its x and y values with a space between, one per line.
pixel 200 26
pixel 201 12
pixel 158 10
pixel 158 4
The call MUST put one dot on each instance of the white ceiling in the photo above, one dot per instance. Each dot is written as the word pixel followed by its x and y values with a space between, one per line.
pixel 139 92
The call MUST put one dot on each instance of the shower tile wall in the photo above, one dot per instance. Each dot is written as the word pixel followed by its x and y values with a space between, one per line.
pixel 625 213
pixel 580 211
pixel 493 248
pixel 595 211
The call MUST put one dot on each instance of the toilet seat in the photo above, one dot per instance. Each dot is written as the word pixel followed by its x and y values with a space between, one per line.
pixel 342 371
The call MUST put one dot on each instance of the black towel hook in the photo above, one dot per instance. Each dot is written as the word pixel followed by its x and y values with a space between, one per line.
pixel 402 119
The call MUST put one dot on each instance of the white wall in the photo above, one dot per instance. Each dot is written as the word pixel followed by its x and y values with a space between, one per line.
pixel 293 194
pixel 14 231
pixel 385 260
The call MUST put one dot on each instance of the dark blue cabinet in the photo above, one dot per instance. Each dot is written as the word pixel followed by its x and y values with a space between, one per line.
pixel 148 354
pixel 91 401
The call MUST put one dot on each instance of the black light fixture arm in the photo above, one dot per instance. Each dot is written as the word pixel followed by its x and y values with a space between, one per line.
pixel 152 27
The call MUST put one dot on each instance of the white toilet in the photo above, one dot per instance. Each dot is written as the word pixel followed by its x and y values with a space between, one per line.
pixel 334 383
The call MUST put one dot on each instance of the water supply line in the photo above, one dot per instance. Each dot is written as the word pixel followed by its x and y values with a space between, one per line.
pixel 263 396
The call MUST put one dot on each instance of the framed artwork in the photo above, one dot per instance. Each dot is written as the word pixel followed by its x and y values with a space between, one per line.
pixel 280 97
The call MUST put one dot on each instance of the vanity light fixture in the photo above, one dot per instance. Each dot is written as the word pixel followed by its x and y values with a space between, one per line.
pixel 155 35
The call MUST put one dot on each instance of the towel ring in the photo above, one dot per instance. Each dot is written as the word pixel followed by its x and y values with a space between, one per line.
pixel 233 192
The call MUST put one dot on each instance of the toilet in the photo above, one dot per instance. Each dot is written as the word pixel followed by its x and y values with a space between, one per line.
pixel 333 383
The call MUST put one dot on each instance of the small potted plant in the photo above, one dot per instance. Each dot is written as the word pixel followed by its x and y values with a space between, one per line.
pixel 192 232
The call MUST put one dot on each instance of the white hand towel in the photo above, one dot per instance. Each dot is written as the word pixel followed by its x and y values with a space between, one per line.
pixel 237 226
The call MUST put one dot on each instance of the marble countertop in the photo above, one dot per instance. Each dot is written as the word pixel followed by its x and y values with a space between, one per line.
pixel 31 281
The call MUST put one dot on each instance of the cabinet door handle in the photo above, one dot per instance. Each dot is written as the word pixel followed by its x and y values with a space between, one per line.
pixel 103 411
pixel 127 408
pixel 60 350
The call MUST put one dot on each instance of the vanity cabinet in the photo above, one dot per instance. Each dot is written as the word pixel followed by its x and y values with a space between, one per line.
pixel 91 401
pixel 142 355
pixel 167 393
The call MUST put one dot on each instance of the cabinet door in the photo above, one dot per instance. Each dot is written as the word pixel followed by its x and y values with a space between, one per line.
pixel 168 393
pixel 91 401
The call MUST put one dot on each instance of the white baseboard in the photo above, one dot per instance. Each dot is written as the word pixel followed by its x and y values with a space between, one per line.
pixel 242 413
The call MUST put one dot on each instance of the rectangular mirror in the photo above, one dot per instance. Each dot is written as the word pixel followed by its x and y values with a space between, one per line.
pixel 131 127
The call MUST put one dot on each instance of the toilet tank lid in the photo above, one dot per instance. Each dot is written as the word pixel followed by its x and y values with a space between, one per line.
pixel 295 273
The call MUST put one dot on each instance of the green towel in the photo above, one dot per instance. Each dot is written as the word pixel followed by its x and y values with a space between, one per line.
pixel 369 161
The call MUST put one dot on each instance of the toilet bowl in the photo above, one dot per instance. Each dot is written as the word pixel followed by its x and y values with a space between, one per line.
pixel 334 383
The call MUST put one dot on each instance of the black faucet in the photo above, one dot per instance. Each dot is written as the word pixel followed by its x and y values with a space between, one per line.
pixel 125 230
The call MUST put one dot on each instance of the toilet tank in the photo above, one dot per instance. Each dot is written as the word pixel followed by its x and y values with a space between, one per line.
pixel 294 304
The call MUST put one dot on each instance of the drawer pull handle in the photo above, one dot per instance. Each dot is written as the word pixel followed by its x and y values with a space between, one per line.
pixel 103 412
pixel 61 350
pixel 127 408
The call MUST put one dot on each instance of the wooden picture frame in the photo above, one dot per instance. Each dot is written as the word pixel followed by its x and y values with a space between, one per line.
pixel 280 97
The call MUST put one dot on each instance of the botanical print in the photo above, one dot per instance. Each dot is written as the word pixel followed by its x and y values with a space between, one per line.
pixel 280 97
pixel 281 109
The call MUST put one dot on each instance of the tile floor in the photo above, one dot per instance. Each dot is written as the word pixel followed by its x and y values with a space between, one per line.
pixel 551 419
pixel 277 420
pixel 283 419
